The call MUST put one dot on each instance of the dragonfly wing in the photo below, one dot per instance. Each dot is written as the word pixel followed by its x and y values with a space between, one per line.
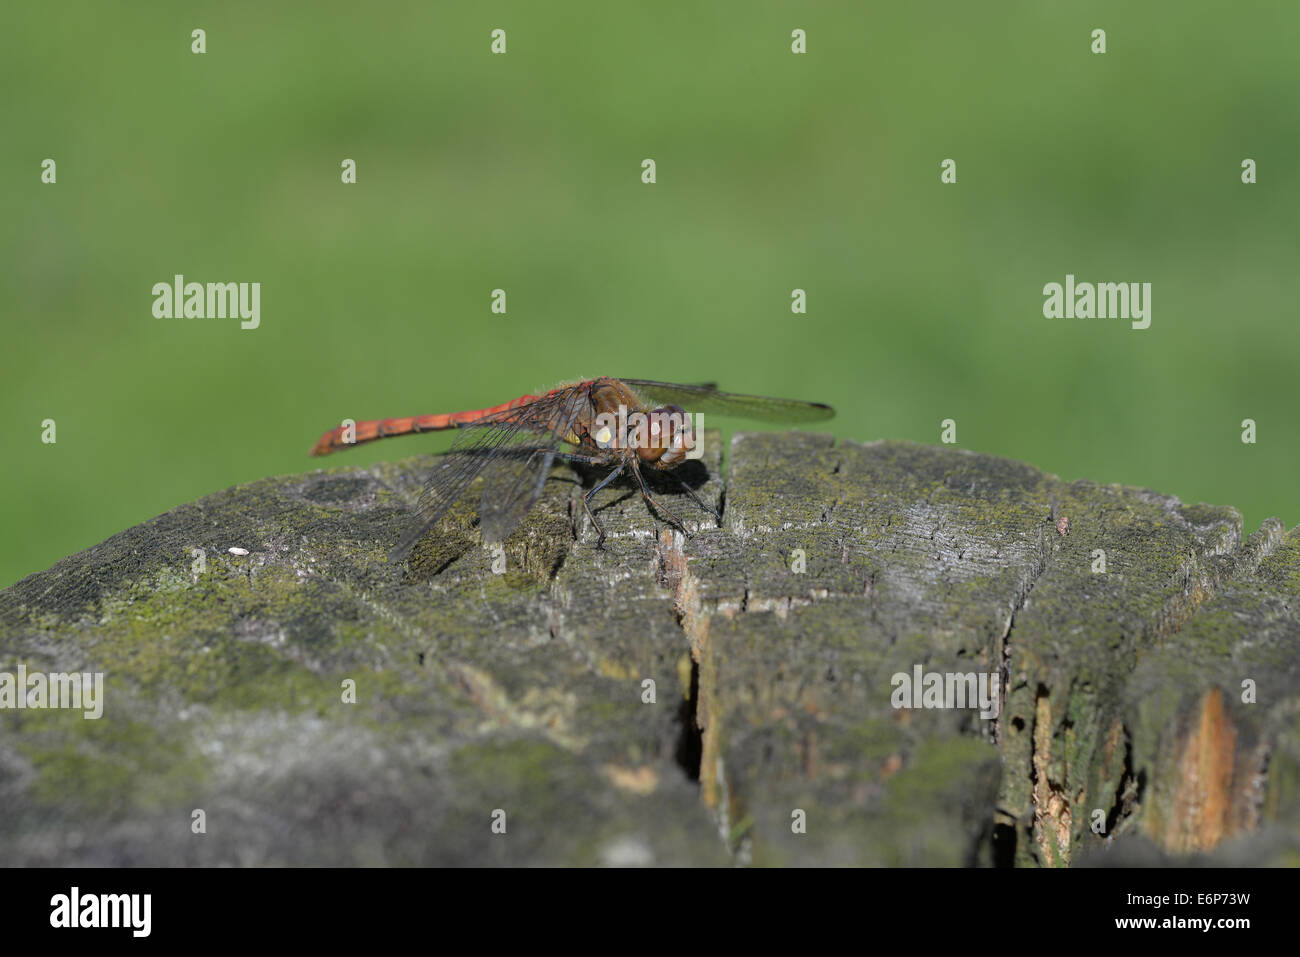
pixel 512 451
pixel 708 398
pixel 510 489
pixel 515 482
pixel 451 478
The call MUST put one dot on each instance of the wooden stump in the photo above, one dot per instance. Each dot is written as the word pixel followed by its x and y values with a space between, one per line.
pixel 727 697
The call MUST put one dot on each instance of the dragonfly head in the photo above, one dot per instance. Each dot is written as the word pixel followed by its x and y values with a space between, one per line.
pixel 662 436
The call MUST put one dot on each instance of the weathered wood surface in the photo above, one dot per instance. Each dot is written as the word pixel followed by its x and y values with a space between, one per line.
pixel 523 691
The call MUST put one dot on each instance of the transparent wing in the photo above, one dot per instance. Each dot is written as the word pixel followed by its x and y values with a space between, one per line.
pixel 708 398
pixel 512 451
pixel 511 488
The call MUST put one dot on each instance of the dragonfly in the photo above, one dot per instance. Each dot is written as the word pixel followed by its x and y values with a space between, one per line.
pixel 625 425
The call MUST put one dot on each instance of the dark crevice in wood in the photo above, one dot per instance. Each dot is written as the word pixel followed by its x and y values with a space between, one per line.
pixel 690 741
pixel 1003 842
pixel 1128 793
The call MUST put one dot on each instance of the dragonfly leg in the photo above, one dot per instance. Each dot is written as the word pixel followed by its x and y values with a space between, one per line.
pixel 696 499
pixel 663 509
pixel 580 458
pixel 586 500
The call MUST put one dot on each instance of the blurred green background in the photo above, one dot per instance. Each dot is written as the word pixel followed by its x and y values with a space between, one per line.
pixel 522 171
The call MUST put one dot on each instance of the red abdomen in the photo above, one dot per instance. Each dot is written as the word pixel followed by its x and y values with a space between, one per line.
pixel 372 429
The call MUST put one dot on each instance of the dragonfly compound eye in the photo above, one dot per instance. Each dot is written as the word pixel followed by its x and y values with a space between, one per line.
pixel 667 436
pixel 683 443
